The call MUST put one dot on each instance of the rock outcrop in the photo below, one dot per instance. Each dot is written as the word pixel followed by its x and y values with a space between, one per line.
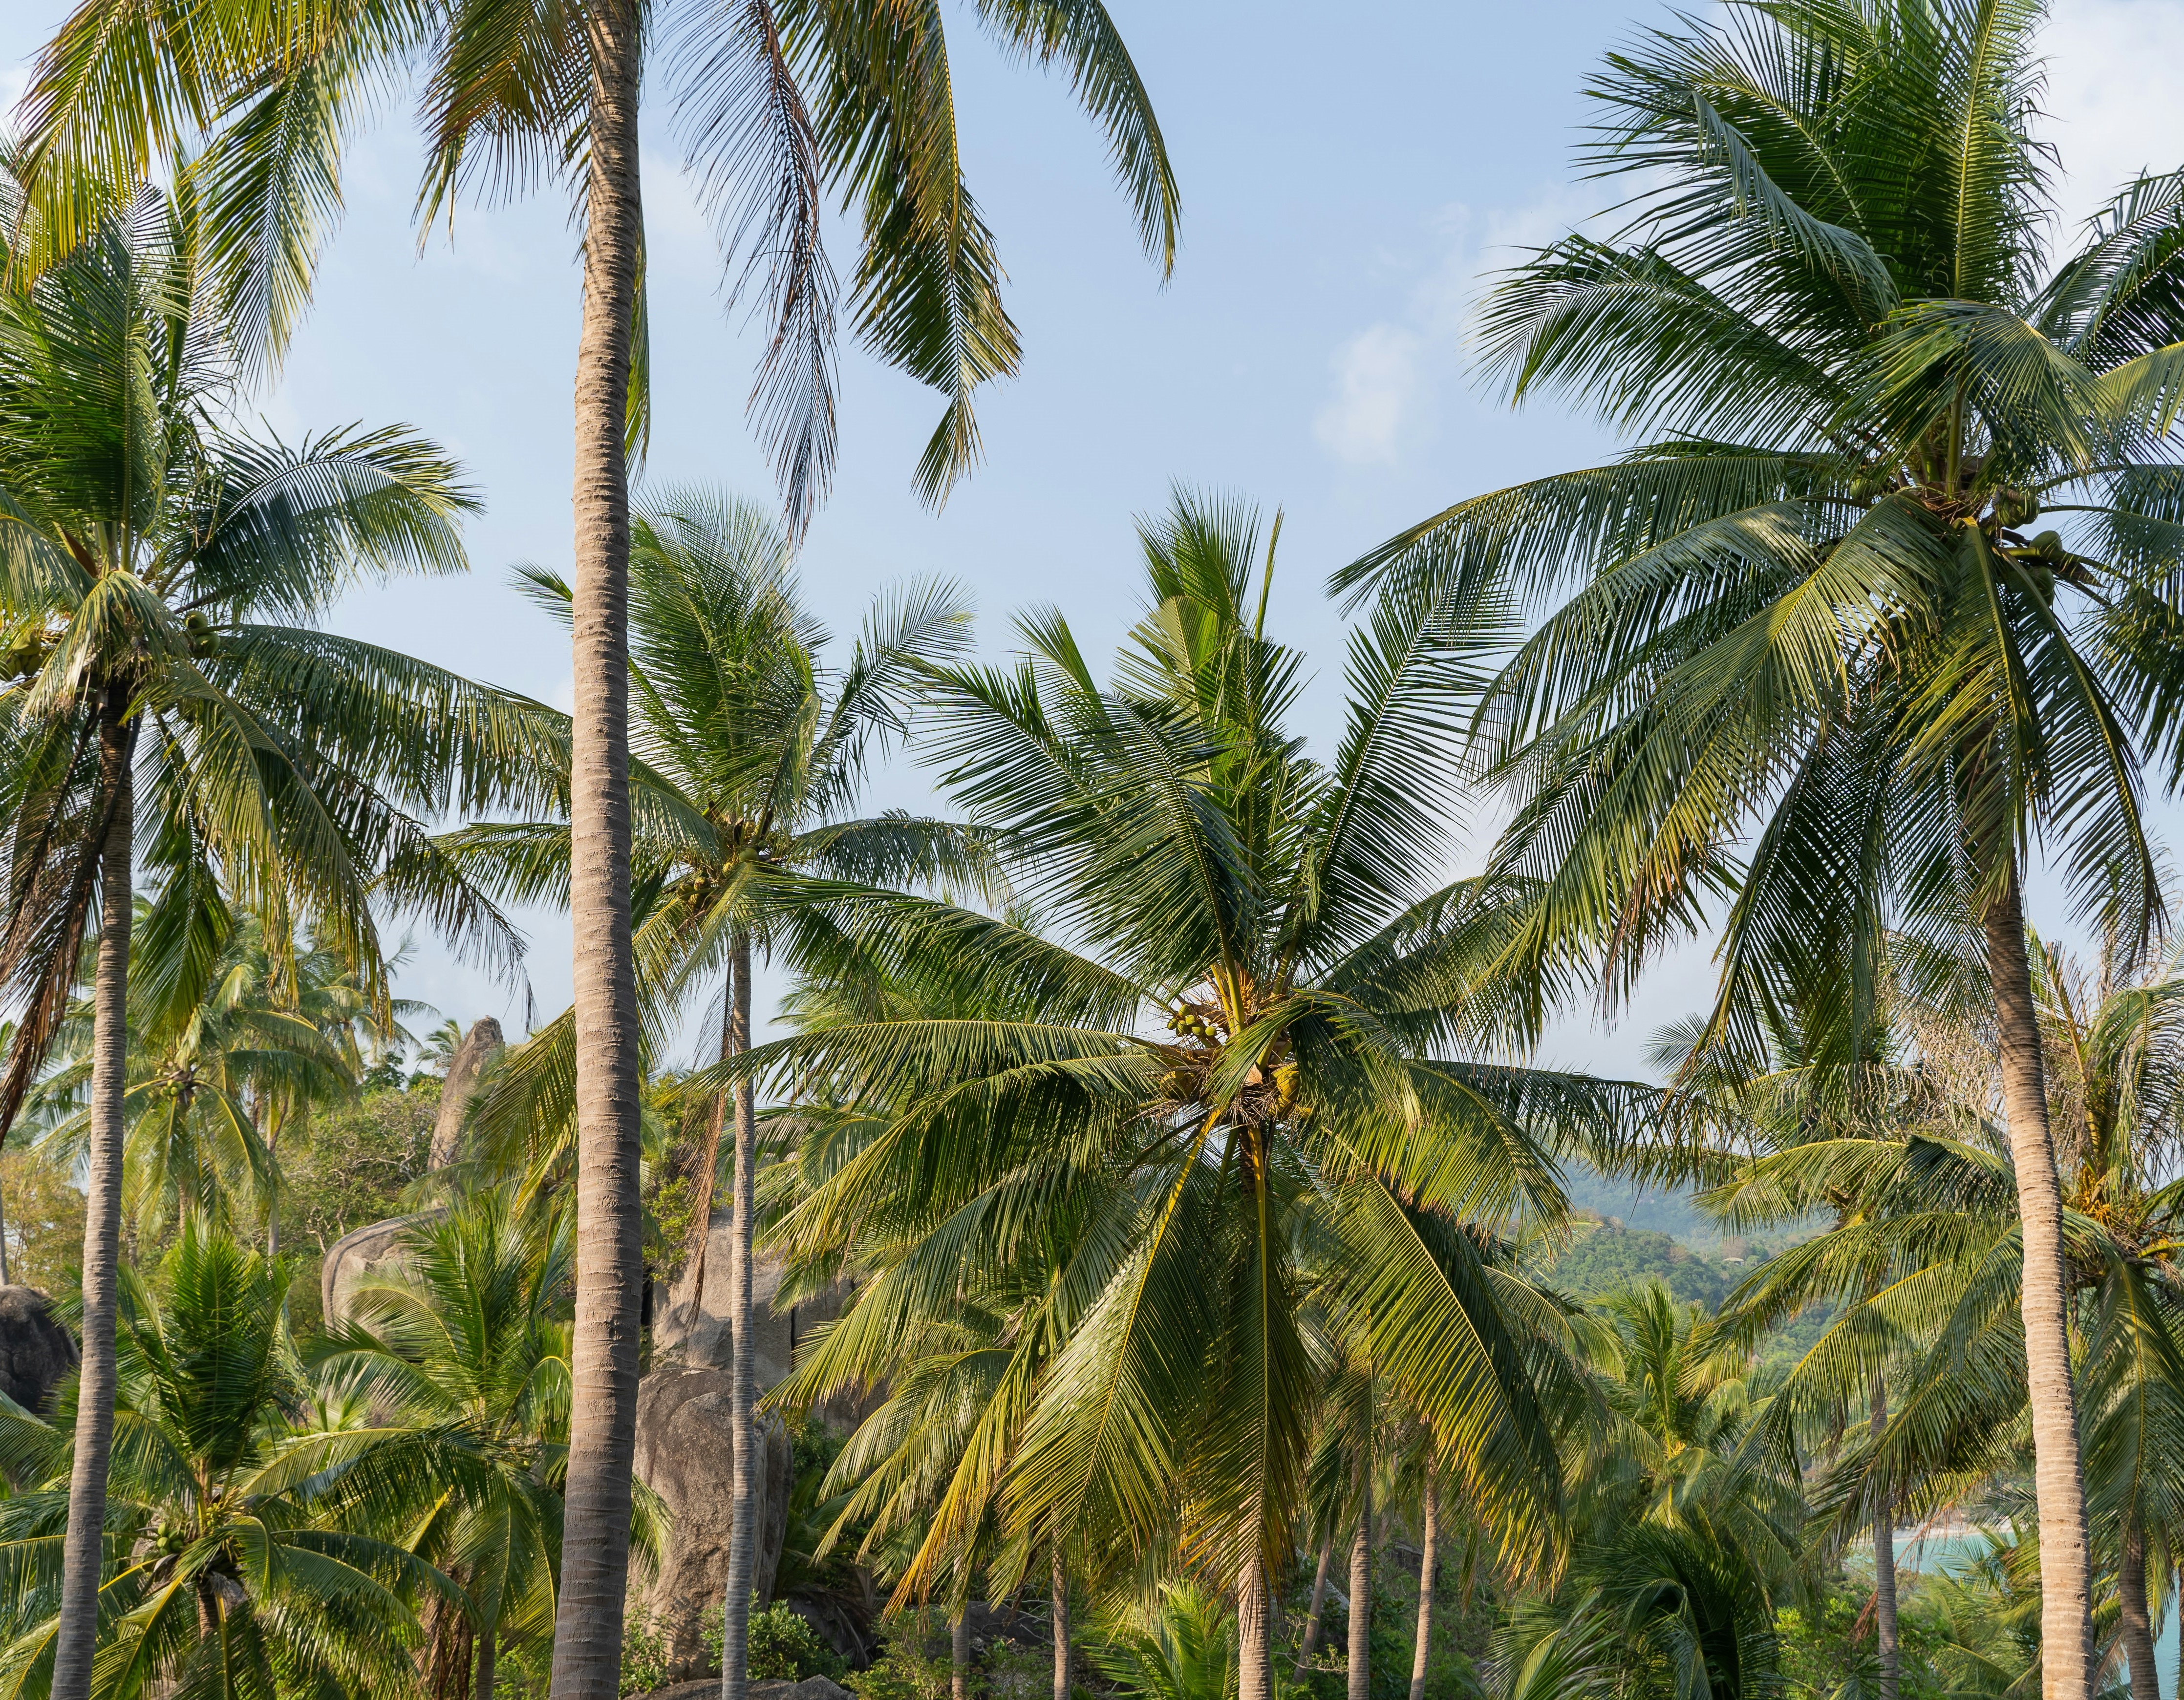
pixel 36 1351
pixel 686 1454
pixel 709 1688
pixel 686 1442
pixel 363 1252
pixel 466 1068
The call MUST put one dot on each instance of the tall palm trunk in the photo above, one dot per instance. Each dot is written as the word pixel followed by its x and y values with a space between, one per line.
pixel 1255 1666
pixel 1060 1622
pixel 482 1689
pixel 2137 1627
pixel 959 1656
pixel 610 1247
pixel 1360 1582
pixel 1887 1645
pixel 743 1523
pixel 84 1549
pixel 1429 1563
pixel 2066 1635
pixel 1318 1605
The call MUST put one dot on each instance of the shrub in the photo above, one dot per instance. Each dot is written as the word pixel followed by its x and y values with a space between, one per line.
pixel 780 1645
pixel 644 1653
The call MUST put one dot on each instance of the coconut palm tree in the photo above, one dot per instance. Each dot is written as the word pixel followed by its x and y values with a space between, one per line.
pixel 1686 1541
pixel 463 1339
pixel 209 1050
pixel 783 107
pixel 1814 612
pixel 165 688
pixel 221 1573
pixel 1306 1109
pixel 751 752
pixel 1934 1262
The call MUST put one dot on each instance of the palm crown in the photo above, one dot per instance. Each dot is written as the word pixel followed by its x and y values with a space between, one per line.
pixel 1292 1167
pixel 151 557
pixel 225 1571
pixel 1812 610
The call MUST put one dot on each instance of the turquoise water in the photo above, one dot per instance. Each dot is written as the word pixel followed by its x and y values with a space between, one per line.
pixel 1939 1551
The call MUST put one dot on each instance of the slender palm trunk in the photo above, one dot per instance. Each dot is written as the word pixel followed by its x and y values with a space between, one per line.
pixel 2137 1626
pixel 84 1549
pixel 273 1191
pixel 482 1689
pixel 743 1396
pixel 1255 1665
pixel 1360 1582
pixel 2066 1635
pixel 1060 1622
pixel 1886 1647
pixel 610 1247
pixel 959 1657
pixel 1318 1604
pixel 1429 1563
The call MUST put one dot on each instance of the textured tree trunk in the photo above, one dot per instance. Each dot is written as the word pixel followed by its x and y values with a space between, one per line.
pixel 742 1527
pixel 1060 1622
pixel 959 1658
pixel 482 1688
pixel 609 1249
pixel 1255 1663
pixel 1429 1563
pixel 1361 1583
pixel 2066 1635
pixel 4 1281
pixel 83 1551
pixel 1886 1647
pixel 2137 1624
pixel 1318 1604
pixel 273 1194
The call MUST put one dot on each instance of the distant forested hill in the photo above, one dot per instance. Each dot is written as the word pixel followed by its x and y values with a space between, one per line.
pixel 1603 1257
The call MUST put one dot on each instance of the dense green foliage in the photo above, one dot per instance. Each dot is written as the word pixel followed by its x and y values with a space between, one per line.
pixel 1201 1255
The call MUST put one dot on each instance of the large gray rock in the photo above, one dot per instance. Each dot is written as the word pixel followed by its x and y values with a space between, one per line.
pixel 709 1688
pixel 686 1454
pixel 692 1328
pixel 36 1351
pixel 371 1250
pixel 466 1068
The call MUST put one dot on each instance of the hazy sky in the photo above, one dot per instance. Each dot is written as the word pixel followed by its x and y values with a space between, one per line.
pixel 1345 174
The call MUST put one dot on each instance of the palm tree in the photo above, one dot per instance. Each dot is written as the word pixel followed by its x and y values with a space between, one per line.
pixel 1301 1114
pixel 781 104
pixel 464 1341
pixel 751 752
pixel 1686 1541
pixel 221 1574
pixel 1814 613
pixel 209 1050
pixel 1934 1260
pixel 148 548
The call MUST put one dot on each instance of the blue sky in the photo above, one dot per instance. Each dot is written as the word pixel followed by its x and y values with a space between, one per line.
pixel 1345 174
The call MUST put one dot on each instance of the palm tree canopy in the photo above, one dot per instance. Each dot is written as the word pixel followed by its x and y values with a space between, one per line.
pixel 1293 1160
pixel 749 752
pixel 148 549
pixel 225 1571
pixel 782 107
pixel 1813 604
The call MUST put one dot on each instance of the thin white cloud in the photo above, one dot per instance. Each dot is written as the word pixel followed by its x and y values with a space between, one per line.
pixel 1387 378
pixel 1377 389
